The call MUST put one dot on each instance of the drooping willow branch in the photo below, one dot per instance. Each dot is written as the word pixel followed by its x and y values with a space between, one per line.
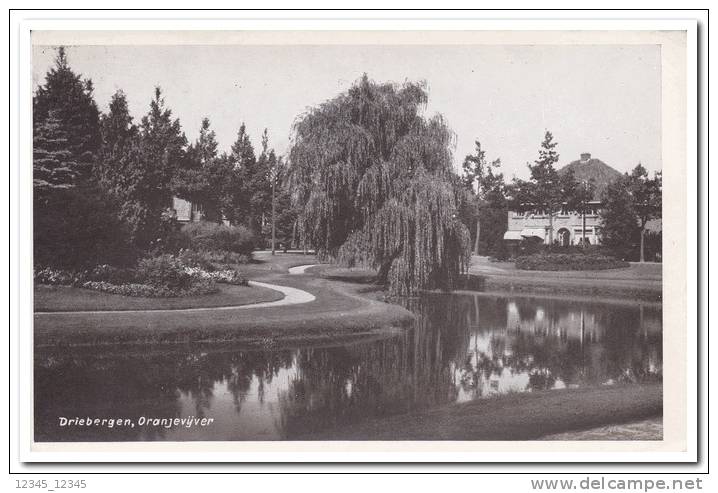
pixel 374 181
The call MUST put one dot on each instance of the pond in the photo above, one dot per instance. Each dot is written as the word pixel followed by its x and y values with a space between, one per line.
pixel 461 347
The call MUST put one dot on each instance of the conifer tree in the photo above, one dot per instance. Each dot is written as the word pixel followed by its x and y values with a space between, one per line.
pixel 163 146
pixel 619 228
pixel 123 173
pixel 68 100
pixel 206 177
pixel 119 138
pixel 242 161
pixel 53 163
pixel 547 190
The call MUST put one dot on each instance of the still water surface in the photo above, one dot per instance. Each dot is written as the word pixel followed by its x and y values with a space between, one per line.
pixel 461 347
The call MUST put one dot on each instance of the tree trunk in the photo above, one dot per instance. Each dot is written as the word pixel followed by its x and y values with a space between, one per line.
pixel 478 234
pixel 643 230
pixel 273 219
pixel 550 229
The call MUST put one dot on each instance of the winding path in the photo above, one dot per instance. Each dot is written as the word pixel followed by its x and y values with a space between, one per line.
pixel 292 296
pixel 313 308
pixel 300 269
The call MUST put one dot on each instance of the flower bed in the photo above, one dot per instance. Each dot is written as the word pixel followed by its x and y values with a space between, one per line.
pixel 227 276
pixel 150 291
pixel 163 276
pixel 568 261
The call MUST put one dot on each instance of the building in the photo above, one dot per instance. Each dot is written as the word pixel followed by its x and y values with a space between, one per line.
pixel 188 212
pixel 568 226
pixel 185 211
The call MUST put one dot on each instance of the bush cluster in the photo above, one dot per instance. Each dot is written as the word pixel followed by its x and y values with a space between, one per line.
pixel 164 270
pixel 164 275
pixel 58 277
pixel 208 236
pixel 212 260
pixel 568 261
pixel 78 228
pixel 198 287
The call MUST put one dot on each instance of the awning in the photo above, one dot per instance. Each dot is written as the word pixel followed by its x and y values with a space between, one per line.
pixel 513 235
pixel 537 232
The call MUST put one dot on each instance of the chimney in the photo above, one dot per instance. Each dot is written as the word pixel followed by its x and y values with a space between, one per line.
pixel 585 156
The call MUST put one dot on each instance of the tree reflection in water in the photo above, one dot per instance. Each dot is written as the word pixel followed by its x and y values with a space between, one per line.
pixel 461 347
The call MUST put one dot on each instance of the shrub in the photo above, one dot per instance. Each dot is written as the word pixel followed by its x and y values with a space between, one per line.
pixel 164 270
pixel 573 249
pixel 229 258
pixel 211 261
pixel 219 237
pixel 77 228
pixel 57 277
pixel 160 276
pixel 198 287
pixel 109 273
pixel 568 261
pixel 531 246
pixel 193 258
pixel 499 252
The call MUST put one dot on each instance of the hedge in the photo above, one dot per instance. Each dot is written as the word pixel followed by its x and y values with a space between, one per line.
pixel 568 261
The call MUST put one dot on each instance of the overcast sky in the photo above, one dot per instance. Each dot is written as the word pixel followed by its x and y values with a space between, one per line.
pixel 599 99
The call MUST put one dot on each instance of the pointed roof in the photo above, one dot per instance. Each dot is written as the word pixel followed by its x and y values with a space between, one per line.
pixel 591 169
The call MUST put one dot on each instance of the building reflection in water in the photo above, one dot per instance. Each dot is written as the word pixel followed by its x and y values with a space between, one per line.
pixel 461 347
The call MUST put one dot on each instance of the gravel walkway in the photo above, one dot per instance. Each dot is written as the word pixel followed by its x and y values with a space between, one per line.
pixel 649 429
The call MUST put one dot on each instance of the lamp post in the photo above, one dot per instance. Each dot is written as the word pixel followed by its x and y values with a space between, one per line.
pixel 583 214
pixel 274 208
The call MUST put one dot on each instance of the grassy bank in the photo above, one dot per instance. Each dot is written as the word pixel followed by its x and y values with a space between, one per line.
pixel 340 310
pixel 525 416
pixel 67 298
pixel 639 282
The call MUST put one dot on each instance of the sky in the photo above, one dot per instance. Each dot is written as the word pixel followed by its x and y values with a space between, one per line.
pixel 605 100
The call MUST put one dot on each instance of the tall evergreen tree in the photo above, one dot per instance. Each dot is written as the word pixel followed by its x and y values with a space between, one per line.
pixel 286 214
pixel 619 228
pixel 163 147
pixel 260 186
pixel 53 163
pixel 123 173
pixel 75 224
pixel 206 177
pixel 547 190
pixel 119 137
pixel 68 100
pixel 243 162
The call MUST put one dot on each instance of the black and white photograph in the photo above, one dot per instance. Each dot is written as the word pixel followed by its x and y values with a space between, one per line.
pixel 338 239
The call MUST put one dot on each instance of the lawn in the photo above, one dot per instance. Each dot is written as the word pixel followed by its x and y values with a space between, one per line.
pixel 65 298
pixel 524 416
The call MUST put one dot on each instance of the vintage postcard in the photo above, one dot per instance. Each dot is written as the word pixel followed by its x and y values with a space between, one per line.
pixel 356 241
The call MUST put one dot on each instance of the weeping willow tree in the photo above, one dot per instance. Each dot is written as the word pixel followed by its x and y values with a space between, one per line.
pixel 374 182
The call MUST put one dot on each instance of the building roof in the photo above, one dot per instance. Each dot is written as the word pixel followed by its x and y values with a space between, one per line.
pixel 592 169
